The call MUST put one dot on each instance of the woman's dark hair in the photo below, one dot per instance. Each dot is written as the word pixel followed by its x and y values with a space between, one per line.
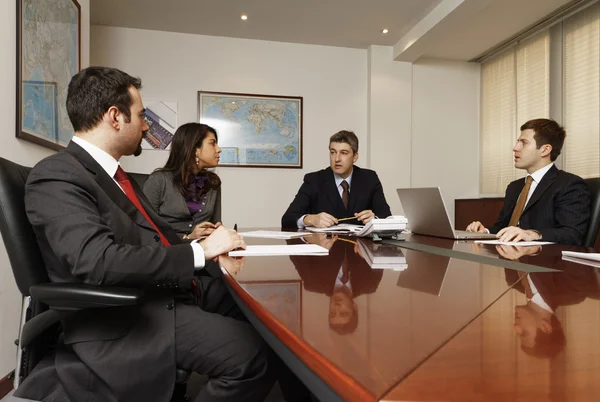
pixel 182 158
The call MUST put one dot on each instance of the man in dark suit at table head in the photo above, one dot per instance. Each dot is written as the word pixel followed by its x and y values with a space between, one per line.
pixel 339 191
pixel 94 225
pixel 549 204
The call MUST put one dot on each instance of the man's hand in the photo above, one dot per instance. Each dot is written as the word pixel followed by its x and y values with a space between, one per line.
pixel 203 230
pixel 476 227
pixel 513 233
pixel 322 220
pixel 221 241
pixel 365 216
pixel 232 265
pixel 516 252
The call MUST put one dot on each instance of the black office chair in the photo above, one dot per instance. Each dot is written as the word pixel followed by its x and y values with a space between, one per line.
pixel 590 236
pixel 46 303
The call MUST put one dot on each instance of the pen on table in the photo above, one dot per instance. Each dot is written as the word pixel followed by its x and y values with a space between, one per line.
pixel 235 227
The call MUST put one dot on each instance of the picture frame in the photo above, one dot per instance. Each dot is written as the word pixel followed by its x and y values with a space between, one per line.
pixel 255 130
pixel 48 55
pixel 282 298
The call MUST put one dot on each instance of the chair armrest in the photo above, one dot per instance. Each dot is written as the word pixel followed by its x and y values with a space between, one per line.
pixel 68 296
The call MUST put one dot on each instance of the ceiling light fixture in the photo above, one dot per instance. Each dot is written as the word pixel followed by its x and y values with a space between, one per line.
pixel 244 17
pixel 384 31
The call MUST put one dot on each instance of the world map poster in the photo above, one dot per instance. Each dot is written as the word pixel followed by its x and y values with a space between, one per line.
pixel 254 130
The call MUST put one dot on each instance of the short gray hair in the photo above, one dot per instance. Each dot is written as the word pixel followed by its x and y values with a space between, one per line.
pixel 347 137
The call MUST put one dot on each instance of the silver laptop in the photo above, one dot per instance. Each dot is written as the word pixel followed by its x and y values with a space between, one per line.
pixel 427 215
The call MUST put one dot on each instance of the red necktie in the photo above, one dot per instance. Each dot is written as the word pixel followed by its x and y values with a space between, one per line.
pixel 125 184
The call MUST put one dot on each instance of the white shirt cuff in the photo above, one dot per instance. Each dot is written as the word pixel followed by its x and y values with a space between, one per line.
pixel 199 260
pixel 301 222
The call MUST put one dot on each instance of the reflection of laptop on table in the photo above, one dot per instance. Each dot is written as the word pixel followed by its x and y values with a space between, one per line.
pixel 427 215
pixel 425 272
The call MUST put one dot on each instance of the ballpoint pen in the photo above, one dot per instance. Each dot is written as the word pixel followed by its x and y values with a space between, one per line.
pixel 347 219
pixel 235 227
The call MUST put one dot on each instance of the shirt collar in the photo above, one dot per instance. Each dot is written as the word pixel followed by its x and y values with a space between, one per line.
pixel 339 179
pixel 107 162
pixel 539 174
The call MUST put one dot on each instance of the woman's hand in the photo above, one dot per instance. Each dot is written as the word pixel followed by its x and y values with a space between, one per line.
pixel 203 230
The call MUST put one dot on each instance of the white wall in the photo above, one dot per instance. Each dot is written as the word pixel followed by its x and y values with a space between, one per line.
pixel 21 152
pixel 332 81
pixel 389 120
pixel 445 128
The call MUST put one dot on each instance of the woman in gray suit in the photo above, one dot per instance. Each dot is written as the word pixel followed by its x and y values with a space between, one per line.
pixel 184 192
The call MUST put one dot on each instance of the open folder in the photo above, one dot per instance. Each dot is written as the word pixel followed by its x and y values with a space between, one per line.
pixel 390 225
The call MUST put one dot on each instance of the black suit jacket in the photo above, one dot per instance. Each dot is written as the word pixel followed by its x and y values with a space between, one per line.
pixel 559 208
pixel 319 194
pixel 318 274
pixel 560 288
pixel 88 231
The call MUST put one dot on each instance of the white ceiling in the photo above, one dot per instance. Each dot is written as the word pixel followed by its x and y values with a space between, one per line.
pixel 474 27
pixel 345 23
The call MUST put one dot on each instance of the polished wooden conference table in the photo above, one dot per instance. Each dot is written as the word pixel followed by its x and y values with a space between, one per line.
pixel 438 321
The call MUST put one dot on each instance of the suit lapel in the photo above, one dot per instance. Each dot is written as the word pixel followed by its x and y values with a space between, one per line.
pixel 541 188
pixel 162 225
pixel 333 193
pixel 355 188
pixel 108 185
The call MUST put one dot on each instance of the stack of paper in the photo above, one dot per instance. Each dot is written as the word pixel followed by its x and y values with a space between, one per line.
pixel 591 259
pixel 270 234
pixel 288 249
pixel 380 226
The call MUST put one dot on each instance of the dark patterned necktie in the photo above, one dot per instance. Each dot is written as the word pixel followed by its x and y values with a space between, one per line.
pixel 345 193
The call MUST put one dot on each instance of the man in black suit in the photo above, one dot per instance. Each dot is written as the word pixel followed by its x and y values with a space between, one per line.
pixel 94 225
pixel 549 204
pixel 342 275
pixel 342 190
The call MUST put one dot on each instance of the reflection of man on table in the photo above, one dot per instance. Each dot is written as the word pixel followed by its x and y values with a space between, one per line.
pixel 539 330
pixel 342 275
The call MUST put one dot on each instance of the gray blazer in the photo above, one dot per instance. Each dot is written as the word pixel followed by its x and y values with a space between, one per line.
pixel 171 206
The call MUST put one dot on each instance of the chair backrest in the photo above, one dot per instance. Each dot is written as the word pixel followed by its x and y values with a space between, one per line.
pixel 18 236
pixel 590 236
pixel 140 178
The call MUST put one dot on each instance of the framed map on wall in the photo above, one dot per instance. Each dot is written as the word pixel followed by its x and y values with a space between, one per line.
pixel 254 130
pixel 48 46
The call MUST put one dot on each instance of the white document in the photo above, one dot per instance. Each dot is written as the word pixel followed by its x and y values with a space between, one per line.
pixel 270 234
pixel 287 249
pixel 514 243
pixel 585 256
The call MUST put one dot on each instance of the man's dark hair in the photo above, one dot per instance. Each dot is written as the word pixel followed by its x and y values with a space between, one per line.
pixel 548 344
pixel 547 131
pixel 347 137
pixel 93 90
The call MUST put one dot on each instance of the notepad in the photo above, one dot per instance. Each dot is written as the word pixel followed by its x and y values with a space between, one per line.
pixel 286 249
pixel 271 234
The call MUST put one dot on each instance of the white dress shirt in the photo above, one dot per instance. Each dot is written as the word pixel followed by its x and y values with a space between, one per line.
pixel 537 298
pixel 110 166
pixel 537 177
pixel 338 281
pixel 338 182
